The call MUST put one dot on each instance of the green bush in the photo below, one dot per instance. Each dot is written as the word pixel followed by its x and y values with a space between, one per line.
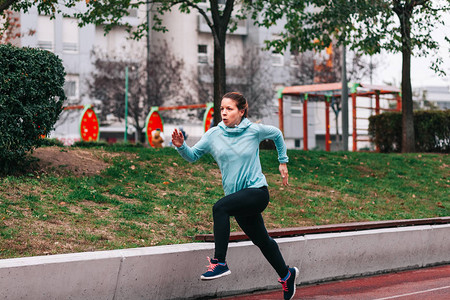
pixel 31 98
pixel 92 144
pixel 52 142
pixel 386 131
pixel 431 131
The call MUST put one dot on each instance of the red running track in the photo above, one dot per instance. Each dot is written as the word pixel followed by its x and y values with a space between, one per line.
pixel 422 284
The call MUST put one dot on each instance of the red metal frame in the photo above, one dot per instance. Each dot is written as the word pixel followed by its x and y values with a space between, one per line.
pixel 192 106
pixel 327 125
pixel 71 107
pixel 334 89
pixel 353 95
pixel 280 114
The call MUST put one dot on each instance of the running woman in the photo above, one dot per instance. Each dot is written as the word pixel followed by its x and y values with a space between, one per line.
pixel 234 144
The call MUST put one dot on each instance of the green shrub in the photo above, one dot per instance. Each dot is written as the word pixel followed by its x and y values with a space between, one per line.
pixel 51 142
pixel 92 144
pixel 31 97
pixel 104 144
pixel 386 131
pixel 431 131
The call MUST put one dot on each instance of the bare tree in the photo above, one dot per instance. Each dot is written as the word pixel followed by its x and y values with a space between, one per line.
pixel 325 67
pixel 302 71
pixel 361 67
pixel 251 77
pixel 107 84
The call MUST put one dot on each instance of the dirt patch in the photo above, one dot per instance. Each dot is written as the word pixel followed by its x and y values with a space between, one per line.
pixel 78 162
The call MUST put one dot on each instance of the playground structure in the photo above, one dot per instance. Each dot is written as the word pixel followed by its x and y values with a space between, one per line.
pixel 88 128
pixel 330 93
pixel 154 120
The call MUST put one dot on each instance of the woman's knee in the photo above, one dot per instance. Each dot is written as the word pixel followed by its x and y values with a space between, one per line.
pixel 265 242
pixel 218 208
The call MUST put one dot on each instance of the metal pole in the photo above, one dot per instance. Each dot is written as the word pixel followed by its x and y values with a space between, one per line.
pixel 344 99
pixel 126 105
pixel 305 123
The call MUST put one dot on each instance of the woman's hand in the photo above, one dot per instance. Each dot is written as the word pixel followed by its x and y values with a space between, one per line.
pixel 284 174
pixel 177 138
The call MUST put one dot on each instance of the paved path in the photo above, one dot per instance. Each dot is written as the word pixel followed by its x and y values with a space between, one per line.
pixel 424 284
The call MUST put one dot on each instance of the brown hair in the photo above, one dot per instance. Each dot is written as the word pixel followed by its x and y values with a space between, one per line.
pixel 240 100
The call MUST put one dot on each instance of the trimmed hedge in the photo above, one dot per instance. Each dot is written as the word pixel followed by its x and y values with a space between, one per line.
pixel 31 98
pixel 431 131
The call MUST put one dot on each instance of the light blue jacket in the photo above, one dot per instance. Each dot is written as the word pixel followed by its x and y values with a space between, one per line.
pixel 236 151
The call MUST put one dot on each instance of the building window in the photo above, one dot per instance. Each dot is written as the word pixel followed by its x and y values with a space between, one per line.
pixel 45 33
pixel 202 54
pixel 277 59
pixel 133 12
pixel 70 35
pixel 296 107
pixel 294 59
pixel 297 143
pixel 71 86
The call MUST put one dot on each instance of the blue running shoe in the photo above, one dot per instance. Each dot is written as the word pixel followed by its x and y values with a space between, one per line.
pixel 215 270
pixel 289 283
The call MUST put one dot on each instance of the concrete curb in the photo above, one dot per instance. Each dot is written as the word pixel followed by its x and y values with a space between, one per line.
pixel 172 272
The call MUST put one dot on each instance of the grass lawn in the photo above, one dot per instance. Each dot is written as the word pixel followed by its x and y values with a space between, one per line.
pixel 138 197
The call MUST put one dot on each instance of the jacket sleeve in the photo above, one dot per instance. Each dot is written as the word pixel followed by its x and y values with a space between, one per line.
pixel 197 151
pixel 273 133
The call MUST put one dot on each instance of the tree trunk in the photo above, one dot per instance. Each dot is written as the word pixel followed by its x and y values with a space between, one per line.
pixel 219 71
pixel 139 136
pixel 219 32
pixel 408 141
pixel 338 137
pixel 344 100
pixel 148 66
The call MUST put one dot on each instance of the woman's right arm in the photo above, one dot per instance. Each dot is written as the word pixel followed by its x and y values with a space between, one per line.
pixel 188 153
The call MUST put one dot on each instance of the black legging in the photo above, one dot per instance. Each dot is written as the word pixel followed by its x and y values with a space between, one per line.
pixel 246 206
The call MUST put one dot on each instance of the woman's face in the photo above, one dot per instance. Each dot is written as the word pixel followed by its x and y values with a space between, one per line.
pixel 231 115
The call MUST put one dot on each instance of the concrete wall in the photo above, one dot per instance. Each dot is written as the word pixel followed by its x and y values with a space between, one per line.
pixel 173 272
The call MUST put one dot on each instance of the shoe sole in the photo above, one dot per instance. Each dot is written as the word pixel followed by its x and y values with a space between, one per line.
pixel 215 277
pixel 295 280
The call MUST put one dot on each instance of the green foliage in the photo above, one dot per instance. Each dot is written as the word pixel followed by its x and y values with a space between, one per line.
pixel 431 129
pixel 31 97
pixel 364 25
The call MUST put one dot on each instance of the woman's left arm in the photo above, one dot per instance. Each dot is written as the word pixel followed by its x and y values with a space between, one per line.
pixel 284 174
pixel 273 133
